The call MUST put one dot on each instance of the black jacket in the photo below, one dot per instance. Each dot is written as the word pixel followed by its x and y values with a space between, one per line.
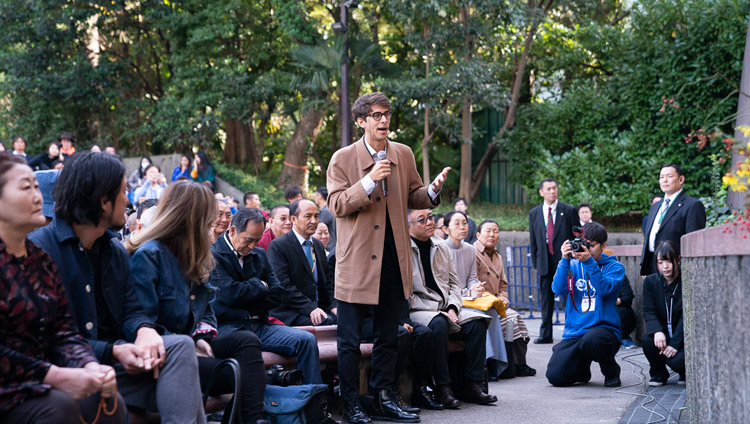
pixel 685 215
pixel 626 293
pixel 566 218
pixel 240 292
pixel 290 264
pixel 655 308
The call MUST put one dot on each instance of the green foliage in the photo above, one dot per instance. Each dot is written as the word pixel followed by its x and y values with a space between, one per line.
pixel 269 194
pixel 509 217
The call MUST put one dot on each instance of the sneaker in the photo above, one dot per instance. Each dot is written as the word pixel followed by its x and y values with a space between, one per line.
pixel 614 379
pixel 628 344
pixel 681 381
pixel 657 381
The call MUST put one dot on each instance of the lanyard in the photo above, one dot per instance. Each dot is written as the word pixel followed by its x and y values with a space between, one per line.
pixel 571 283
pixel 669 308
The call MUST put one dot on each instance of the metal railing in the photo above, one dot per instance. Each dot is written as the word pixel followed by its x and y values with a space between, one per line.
pixel 523 283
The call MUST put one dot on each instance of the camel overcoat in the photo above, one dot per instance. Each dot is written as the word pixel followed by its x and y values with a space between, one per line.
pixel 360 219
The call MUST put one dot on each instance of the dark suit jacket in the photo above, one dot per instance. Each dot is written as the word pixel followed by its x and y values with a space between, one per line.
pixel 565 218
pixel 685 215
pixel 291 267
pixel 655 308
pixel 240 292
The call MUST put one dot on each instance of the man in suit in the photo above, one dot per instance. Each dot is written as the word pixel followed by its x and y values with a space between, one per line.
pixel 550 224
pixel 326 217
pixel 676 215
pixel 370 196
pixel 300 263
pixel 248 289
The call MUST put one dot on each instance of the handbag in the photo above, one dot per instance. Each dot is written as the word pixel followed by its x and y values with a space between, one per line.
pixel 485 303
pixel 288 405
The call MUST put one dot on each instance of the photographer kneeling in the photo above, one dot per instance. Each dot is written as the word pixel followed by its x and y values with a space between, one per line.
pixel 592 324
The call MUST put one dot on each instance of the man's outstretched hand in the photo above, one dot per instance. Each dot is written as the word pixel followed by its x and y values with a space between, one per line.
pixel 437 184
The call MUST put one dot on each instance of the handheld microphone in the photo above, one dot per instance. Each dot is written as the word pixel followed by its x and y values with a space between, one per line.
pixel 383 182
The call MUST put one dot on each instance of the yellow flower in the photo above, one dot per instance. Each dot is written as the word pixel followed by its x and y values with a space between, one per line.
pixel 729 180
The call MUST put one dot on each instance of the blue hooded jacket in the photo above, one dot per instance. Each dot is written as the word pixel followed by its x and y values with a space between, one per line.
pixel 605 278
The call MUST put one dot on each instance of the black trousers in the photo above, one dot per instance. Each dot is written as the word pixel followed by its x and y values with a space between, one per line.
pixel 58 407
pixel 547 301
pixel 627 320
pixel 659 362
pixel 571 358
pixel 474 336
pixel 244 346
pixel 423 354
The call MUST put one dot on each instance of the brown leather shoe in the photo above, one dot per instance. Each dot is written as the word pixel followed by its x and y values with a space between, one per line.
pixel 474 394
pixel 445 396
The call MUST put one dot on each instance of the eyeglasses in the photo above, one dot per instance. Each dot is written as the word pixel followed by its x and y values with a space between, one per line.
pixel 423 220
pixel 378 115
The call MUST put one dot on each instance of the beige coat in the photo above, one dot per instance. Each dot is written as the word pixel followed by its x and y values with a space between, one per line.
pixel 360 219
pixel 492 272
pixel 426 303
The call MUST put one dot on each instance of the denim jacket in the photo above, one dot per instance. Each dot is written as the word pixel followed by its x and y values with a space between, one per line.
pixel 60 242
pixel 166 296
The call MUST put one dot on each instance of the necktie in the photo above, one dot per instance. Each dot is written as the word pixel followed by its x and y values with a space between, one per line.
pixel 307 244
pixel 664 211
pixel 550 231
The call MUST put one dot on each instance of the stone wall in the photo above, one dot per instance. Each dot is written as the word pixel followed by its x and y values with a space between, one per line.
pixel 716 277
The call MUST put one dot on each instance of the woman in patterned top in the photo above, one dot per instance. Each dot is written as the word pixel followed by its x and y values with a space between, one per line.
pixel 49 372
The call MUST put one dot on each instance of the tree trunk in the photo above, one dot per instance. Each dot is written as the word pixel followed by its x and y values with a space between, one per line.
pixel 295 160
pixel 464 185
pixel 510 114
pixel 427 135
pixel 740 199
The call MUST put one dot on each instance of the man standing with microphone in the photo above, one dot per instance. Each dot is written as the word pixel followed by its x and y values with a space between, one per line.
pixel 371 184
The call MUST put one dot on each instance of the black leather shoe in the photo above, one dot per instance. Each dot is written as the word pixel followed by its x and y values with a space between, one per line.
pixel 444 395
pixel 524 370
pixel 405 406
pixel 542 341
pixel 388 408
pixel 476 395
pixel 424 398
pixel 612 377
pixel 353 414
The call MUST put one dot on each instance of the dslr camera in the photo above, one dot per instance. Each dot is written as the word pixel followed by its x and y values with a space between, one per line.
pixel 276 375
pixel 576 245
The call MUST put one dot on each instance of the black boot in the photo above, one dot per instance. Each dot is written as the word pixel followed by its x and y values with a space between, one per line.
pixel 425 398
pixel 353 414
pixel 475 394
pixel 388 408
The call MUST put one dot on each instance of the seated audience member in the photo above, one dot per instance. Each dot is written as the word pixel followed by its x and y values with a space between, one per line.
pixel 322 234
pixel 2 146
pixel 132 223
pixel 439 224
pixel 142 209
pixel 47 181
pixel 465 262
pixel 326 217
pixel 95 148
pixel 138 177
pixel 584 213
pixel 300 263
pixel 278 225
pixel 153 187
pixel 110 150
pixel 490 270
pixel 203 171
pixel 223 218
pixel 19 148
pixel 183 170
pixel 293 193
pixel 627 315
pixel 66 145
pixel 663 343
pixel 169 267
pixel 58 165
pixel 592 280
pixel 461 205
pixel 50 373
pixel 89 201
pixel 252 200
pixel 46 160
pixel 247 288
pixel 436 303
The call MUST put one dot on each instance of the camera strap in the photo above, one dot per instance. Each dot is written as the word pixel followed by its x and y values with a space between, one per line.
pixel 571 292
